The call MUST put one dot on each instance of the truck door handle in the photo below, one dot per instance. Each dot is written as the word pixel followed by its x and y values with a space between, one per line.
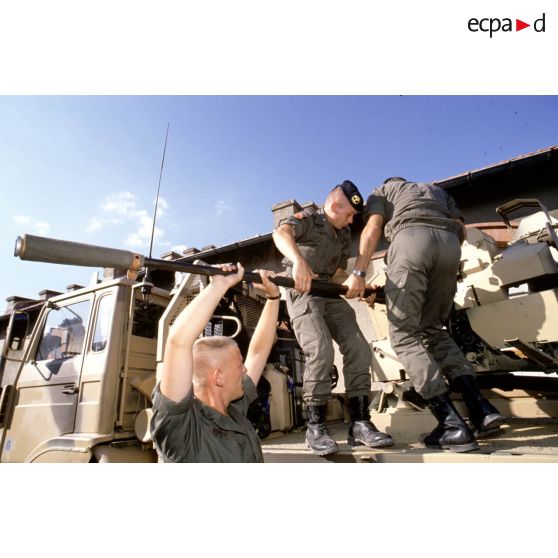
pixel 70 390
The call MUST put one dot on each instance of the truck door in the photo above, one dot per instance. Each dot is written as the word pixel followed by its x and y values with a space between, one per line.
pixel 48 385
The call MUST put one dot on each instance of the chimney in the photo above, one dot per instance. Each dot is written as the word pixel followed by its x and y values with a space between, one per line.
pixel 73 287
pixel 191 251
pixel 284 209
pixel 13 300
pixel 46 294
pixel 309 205
pixel 170 256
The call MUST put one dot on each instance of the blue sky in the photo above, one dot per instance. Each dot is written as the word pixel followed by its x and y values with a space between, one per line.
pixel 85 168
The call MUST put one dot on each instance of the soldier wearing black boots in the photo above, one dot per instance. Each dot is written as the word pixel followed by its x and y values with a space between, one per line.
pixel 425 229
pixel 451 432
pixel 317 245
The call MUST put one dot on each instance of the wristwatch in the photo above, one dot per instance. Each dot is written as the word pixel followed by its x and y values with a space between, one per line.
pixel 359 273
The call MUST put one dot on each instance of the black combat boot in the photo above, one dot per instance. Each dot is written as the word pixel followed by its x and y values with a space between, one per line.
pixel 362 431
pixel 484 417
pixel 452 432
pixel 317 436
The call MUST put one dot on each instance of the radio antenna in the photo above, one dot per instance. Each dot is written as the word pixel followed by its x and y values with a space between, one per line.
pixel 147 284
pixel 158 190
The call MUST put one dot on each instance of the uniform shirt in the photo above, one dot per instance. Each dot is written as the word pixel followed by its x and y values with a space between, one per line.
pixel 323 246
pixel 406 204
pixel 191 432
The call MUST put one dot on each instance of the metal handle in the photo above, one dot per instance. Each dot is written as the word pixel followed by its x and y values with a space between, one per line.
pixel 233 319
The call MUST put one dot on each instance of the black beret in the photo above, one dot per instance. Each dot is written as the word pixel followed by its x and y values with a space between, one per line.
pixel 352 194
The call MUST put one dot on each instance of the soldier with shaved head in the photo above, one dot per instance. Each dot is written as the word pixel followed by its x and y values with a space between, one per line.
pixel 316 244
pixel 200 404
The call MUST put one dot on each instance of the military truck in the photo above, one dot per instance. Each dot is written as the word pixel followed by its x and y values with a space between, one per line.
pixel 78 368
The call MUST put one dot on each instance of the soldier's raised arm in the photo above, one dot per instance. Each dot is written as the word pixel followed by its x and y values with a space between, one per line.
pixel 176 378
pixel 264 335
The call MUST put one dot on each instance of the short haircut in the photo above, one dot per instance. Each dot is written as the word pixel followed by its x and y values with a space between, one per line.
pixel 394 179
pixel 205 356
pixel 337 195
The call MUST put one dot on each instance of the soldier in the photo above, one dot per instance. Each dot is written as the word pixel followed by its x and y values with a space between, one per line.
pixel 200 405
pixel 317 245
pixel 426 230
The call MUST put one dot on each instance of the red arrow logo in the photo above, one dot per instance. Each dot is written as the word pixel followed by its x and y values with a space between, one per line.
pixel 519 25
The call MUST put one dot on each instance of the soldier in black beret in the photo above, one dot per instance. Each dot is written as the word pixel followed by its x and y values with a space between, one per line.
pixel 317 244
pixel 352 194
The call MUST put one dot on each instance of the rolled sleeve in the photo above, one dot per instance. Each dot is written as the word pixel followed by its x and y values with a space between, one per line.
pixel 250 394
pixel 301 225
pixel 250 390
pixel 167 406
pixel 376 205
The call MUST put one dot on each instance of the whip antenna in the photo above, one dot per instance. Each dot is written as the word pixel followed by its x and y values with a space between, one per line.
pixel 147 284
pixel 158 190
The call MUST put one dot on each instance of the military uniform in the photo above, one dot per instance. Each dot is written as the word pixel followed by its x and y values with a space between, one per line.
pixel 422 265
pixel 317 320
pixel 190 432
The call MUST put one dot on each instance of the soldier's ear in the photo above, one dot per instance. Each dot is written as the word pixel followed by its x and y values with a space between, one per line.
pixel 218 377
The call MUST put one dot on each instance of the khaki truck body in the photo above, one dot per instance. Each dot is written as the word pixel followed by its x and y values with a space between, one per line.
pixel 86 372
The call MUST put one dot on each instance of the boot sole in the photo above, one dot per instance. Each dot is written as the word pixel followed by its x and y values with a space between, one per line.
pixel 322 453
pixel 461 448
pixel 494 428
pixel 381 444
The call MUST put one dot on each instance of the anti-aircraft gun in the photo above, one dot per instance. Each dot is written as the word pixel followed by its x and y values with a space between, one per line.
pixel 77 370
pixel 505 315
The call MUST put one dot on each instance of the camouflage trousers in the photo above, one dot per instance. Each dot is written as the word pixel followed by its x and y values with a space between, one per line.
pixel 317 321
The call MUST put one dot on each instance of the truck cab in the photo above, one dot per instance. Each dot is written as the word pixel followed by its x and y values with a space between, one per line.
pixel 76 372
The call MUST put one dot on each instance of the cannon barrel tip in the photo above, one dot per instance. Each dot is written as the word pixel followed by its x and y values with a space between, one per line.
pixel 51 250
pixel 19 246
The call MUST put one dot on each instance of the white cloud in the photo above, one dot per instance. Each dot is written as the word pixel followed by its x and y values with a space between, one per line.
pixel 95 224
pixel 42 227
pixel 39 227
pixel 122 208
pixel 222 207
pixel 179 248
pixel 22 219
pixel 161 207
pixel 120 203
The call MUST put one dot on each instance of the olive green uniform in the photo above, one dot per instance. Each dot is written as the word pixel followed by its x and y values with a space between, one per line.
pixel 189 431
pixel 318 320
pixel 422 265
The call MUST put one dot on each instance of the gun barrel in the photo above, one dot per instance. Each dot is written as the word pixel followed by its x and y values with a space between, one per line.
pixel 50 250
